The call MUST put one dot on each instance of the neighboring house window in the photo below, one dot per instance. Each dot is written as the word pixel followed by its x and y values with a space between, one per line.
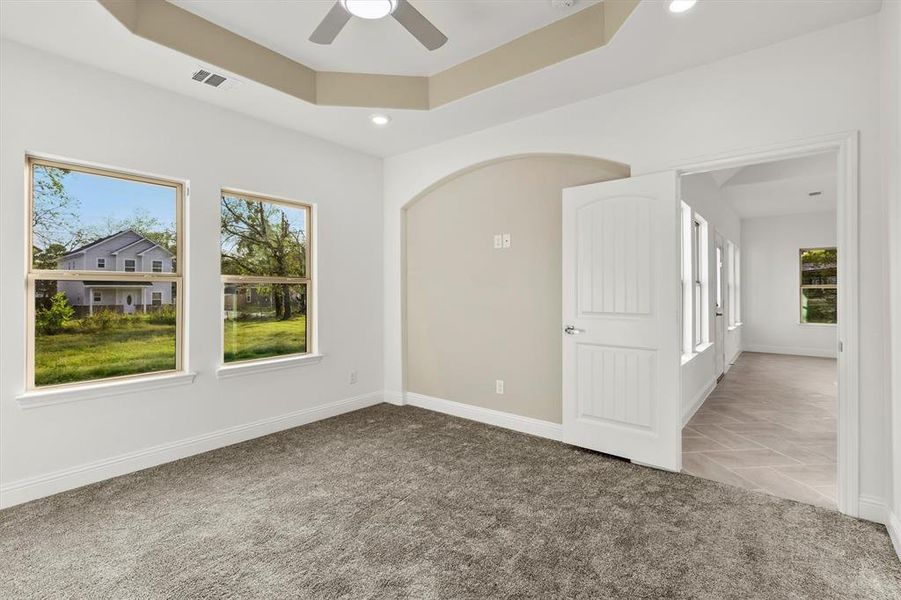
pixel 266 255
pixel 156 298
pixel 248 298
pixel 157 266
pixel 64 346
pixel 819 285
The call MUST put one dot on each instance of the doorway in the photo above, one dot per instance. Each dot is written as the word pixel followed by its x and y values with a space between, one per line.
pixel 783 420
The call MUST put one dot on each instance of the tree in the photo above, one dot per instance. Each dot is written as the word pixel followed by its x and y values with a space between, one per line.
pixel 54 216
pixel 260 238
pixel 142 223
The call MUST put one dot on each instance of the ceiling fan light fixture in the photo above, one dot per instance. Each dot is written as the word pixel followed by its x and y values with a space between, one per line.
pixel 369 9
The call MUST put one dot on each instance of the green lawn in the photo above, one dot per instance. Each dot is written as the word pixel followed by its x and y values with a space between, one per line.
pixel 76 355
pixel 142 347
pixel 247 340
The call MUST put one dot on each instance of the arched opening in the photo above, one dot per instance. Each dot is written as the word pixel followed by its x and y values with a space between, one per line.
pixel 482 324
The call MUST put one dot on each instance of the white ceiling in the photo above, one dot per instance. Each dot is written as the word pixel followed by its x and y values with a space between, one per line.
pixel 650 44
pixel 781 187
pixel 382 46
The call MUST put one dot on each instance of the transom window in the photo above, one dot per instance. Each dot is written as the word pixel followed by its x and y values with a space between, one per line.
pixel 819 285
pixel 265 261
pixel 87 321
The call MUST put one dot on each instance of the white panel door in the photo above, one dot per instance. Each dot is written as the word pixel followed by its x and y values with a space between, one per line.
pixel 621 319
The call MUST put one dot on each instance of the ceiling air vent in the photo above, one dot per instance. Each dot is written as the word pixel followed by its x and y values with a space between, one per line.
pixel 209 78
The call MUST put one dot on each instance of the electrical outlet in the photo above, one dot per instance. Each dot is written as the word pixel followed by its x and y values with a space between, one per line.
pixel 499 386
pixel 353 377
pixel 498 241
pixel 506 240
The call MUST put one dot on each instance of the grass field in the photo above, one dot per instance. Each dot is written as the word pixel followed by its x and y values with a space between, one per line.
pixel 76 355
pixel 247 340
pixel 141 347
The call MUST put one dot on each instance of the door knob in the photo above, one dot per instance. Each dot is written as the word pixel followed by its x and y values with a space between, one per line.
pixel 572 330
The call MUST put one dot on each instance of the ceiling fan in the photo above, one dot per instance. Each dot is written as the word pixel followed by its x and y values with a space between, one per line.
pixel 403 12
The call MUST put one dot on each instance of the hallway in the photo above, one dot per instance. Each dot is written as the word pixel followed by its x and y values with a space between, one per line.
pixel 769 426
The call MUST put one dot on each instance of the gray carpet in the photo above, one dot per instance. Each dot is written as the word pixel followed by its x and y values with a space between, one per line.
pixel 394 502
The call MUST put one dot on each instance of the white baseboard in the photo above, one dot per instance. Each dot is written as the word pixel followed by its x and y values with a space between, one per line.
pixel 698 401
pixel 23 490
pixel 791 350
pixel 394 397
pixel 876 510
pixel 545 429
pixel 893 525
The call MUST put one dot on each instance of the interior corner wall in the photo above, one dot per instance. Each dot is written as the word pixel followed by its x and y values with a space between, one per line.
pixel 477 314
pixel 813 85
pixel 771 279
pixel 701 193
pixel 96 116
pixel 890 113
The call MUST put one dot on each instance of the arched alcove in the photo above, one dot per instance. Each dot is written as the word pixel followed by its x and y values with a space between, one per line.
pixel 475 314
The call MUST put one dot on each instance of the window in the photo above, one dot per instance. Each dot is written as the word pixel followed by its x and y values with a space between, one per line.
pixel 700 291
pixel 82 326
pixel 687 257
pixel 719 279
pixel 730 283
pixel 265 256
pixel 819 285
pixel 157 266
pixel 248 298
pixel 156 298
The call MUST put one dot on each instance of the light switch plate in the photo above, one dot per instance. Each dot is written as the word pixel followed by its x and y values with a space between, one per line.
pixel 506 240
pixel 499 386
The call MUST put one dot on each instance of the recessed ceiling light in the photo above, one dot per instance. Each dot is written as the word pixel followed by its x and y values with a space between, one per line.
pixel 680 6
pixel 370 9
pixel 380 120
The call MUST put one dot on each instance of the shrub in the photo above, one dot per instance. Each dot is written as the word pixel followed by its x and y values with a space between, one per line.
pixel 101 320
pixel 164 316
pixel 53 319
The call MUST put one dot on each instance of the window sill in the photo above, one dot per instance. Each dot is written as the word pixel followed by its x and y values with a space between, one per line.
pixel 702 348
pixel 90 391
pixel 817 325
pixel 264 365
pixel 686 358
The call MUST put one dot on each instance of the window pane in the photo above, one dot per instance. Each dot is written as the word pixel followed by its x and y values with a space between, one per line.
pixel 264 320
pixel 819 266
pixel 85 222
pixel 263 238
pixel 88 330
pixel 819 305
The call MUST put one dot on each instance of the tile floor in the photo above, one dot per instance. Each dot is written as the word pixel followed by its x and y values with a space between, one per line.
pixel 769 426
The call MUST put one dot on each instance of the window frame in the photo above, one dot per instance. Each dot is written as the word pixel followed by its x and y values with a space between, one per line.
pixel 152 298
pixel 802 287
pixel 153 264
pixel 33 274
pixel 701 282
pixel 134 265
pixel 308 280
pixel 101 262
pixel 97 296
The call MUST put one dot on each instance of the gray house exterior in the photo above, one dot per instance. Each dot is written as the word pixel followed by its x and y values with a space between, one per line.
pixel 122 252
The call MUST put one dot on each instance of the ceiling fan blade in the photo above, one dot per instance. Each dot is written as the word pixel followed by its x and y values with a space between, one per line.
pixel 331 25
pixel 421 28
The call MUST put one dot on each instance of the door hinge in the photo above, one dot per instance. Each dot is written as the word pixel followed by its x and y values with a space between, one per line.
pixel 841 346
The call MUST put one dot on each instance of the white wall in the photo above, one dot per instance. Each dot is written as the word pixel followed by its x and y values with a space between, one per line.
pixel 813 85
pixel 699 374
pixel 770 280
pixel 890 112
pixel 62 108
